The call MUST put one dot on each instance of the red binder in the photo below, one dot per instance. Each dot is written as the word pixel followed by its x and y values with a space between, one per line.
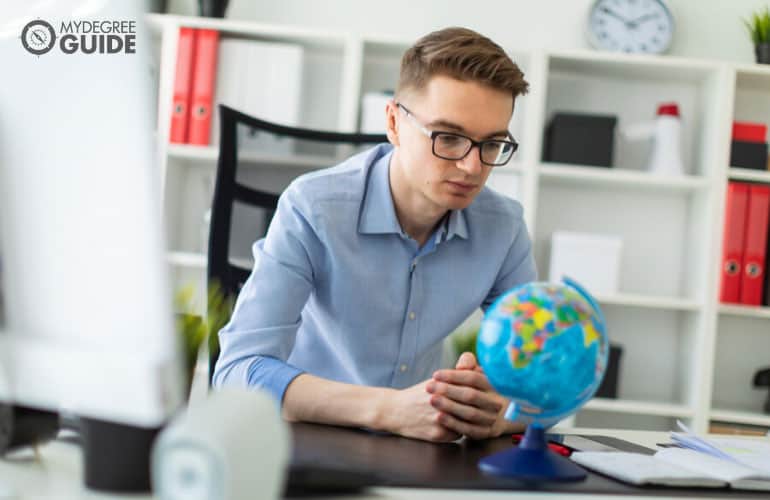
pixel 204 78
pixel 755 248
pixel 749 132
pixel 733 241
pixel 182 86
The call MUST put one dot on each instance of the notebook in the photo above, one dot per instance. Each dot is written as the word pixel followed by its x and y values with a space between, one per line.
pixel 753 453
pixel 675 467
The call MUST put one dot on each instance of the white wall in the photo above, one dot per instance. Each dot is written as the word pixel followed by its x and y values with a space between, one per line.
pixel 705 28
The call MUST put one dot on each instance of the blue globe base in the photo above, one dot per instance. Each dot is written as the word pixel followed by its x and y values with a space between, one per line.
pixel 532 461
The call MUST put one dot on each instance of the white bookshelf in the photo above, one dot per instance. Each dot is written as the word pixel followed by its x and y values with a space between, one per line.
pixel 685 355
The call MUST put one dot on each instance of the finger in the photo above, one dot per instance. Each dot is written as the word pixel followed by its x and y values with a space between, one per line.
pixel 464 428
pixel 441 434
pixel 467 395
pixel 470 414
pixel 470 378
pixel 467 361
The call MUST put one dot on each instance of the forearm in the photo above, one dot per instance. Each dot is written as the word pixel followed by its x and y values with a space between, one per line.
pixel 312 399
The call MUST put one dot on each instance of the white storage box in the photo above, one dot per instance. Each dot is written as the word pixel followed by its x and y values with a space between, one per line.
pixel 593 260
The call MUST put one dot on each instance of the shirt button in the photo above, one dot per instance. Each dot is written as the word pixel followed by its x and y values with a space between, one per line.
pixel 403 368
pixel 412 315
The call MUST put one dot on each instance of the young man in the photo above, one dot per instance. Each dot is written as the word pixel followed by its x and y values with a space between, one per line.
pixel 369 265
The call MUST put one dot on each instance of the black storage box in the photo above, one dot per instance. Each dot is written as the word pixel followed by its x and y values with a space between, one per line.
pixel 609 385
pixel 581 139
pixel 749 155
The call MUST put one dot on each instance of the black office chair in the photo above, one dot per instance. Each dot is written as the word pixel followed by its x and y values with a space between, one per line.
pixel 226 272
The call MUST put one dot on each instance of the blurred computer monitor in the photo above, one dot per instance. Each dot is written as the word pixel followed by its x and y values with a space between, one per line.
pixel 88 323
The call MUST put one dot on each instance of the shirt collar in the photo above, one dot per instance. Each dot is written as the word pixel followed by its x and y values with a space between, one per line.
pixel 457 225
pixel 378 215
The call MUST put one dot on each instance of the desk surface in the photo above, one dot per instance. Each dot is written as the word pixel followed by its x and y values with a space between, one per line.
pixel 56 471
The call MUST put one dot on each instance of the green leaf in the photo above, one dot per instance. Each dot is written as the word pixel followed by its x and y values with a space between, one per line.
pixel 193 329
pixel 758 26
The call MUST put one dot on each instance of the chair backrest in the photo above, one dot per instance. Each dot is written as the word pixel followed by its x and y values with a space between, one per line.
pixel 261 138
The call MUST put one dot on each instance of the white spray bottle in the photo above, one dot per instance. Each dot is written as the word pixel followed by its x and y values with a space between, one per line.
pixel 666 157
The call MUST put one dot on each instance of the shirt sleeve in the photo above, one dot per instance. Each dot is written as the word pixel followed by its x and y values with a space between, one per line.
pixel 518 267
pixel 260 335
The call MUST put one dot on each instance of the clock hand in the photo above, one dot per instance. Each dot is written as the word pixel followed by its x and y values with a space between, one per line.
pixel 636 22
pixel 614 14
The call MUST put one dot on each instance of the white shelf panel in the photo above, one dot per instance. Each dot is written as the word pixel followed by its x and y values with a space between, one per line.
pixel 195 260
pixel 745 311
pixel 648 301
pixel 639 407
pixel 156 23
pixel 747 174
pixel 740 417
pixel 753 69
pixel 210 154
pixel 195 153
pixel 593 176
pixel 189 260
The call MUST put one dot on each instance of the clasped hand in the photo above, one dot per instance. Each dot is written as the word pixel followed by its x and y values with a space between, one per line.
pixel 454 403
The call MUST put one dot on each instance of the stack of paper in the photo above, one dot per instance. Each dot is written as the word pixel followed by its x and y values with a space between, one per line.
pixel 713 462
pixel 753 453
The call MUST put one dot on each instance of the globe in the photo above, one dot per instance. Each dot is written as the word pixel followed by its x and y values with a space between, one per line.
pixel 544 346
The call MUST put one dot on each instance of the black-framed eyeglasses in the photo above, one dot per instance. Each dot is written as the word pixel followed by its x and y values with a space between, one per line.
pixel 453 146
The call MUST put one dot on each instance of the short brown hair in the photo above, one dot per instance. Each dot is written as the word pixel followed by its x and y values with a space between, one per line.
pixel 463 54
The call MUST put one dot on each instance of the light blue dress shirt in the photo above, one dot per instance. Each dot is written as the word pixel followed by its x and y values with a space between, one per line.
pixel 339 291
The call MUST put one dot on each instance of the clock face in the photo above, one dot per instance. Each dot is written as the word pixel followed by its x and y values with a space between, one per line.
pixel 645 26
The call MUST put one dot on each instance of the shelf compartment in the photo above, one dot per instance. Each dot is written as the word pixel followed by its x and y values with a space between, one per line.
pixel 631 88
pixel 657 228
pixel 741 349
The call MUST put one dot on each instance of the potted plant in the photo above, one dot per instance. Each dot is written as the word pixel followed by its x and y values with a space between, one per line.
pixel 195 329
pixel 758 26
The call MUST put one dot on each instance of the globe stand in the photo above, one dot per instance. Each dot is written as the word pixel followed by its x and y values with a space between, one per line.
pixel 532 460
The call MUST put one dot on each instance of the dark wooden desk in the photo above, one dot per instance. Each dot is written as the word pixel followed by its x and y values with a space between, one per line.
pixel 395 461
